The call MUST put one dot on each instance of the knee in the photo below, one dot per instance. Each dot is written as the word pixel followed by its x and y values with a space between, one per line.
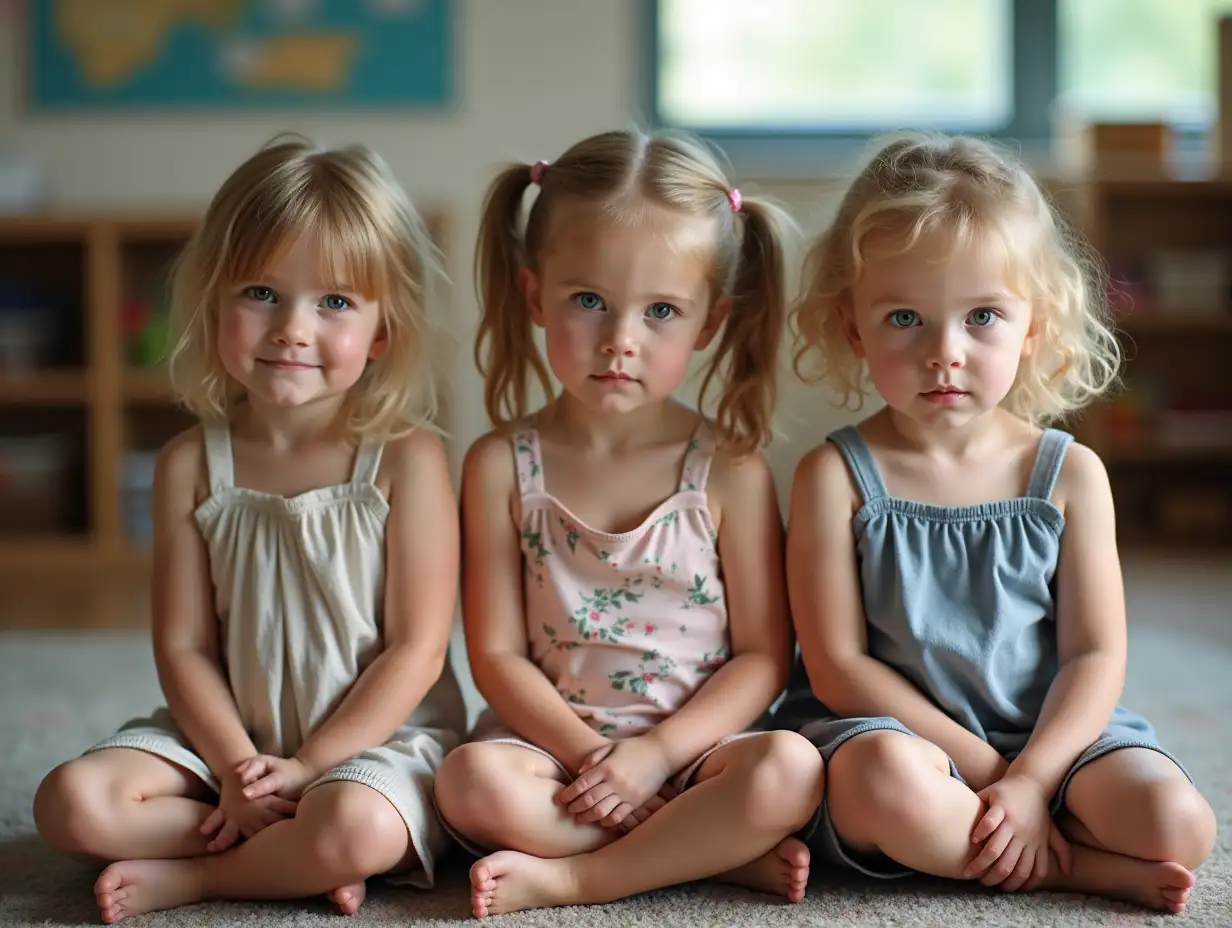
pixel 74 810
pixel 887 777
pixel 356 832
pixel 785 781
pixel 1178 822
pixel 469 787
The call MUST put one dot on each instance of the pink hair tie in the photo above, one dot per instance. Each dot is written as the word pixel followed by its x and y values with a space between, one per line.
pixel 536 172
pixel 734 198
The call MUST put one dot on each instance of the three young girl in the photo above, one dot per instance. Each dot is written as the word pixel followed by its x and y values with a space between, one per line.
pixel 949 563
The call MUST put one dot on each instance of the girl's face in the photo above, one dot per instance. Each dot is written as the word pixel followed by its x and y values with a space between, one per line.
pixel 623 306
pixel 940 326
pixel 290 338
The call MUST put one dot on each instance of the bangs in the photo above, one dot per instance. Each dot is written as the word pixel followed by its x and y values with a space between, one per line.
pixel 345 242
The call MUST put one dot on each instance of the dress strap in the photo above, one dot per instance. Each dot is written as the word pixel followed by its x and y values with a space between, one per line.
pixel 529 460
pixel 367 461
pixel 219 461
pixel 860 462
pixel 697 458
pixel 1048 459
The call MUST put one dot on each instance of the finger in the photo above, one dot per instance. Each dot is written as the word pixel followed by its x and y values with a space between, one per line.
pixel 1023 869
pixel 598 811
pixel 580 786
pixel 595 757
pixel 616 816
pixel 994 847
pixel 999 872
pixel 668 793
pixel 988 824
pixel 284 807
pixel 1039 872
pixel 266 786
pixel 225 838
pixel 251 770
pixel 213 822
pixel 1061 847
pixel 591 798
pixel 653 805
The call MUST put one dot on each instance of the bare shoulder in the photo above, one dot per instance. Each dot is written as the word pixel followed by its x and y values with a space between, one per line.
pixel 733 476
pixel 1083 478
pixel 418 455
pixel 490 460
pixel 180 467
pixel 823 474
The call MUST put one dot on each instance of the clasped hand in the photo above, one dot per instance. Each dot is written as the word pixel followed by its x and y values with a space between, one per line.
pixel 257 793
pixel 1017 832
pixel 620 785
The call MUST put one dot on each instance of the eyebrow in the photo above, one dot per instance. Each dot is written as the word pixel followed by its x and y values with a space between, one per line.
pixel 1000 297
pixel 275 284
pixel 654 297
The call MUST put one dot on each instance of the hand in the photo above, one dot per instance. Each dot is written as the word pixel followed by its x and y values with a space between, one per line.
pixel 1017 832
pixel 237 815
pixel 653 805
pixel 614 781
pixel 265 775
pixel 987 773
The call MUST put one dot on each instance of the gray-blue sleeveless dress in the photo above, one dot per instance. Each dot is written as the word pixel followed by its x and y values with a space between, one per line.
pixel 960 601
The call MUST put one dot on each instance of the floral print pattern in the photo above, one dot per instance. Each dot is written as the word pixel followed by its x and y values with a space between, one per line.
pixel 626 626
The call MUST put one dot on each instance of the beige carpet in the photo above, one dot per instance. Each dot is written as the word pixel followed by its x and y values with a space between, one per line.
pixel 60 692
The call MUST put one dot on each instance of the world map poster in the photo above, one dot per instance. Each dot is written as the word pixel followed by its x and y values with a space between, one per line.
pixel 126 54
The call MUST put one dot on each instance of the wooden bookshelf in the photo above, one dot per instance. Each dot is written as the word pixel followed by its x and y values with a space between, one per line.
pixel 1166 438
pixel 85 397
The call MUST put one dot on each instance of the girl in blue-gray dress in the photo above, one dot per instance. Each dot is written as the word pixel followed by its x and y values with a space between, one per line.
pixel 952 563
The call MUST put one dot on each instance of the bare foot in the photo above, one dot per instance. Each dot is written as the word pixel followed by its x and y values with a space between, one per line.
pixel 1156 885
pixel 509 881
pixel 132 887
pixel 783 871
pixel 349 898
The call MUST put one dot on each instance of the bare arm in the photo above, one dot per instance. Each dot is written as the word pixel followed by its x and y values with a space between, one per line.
pixel 493 612
pixel 1090 626
pixel 185 624
pixel 829 616
pixel 421 594
pixel 751 552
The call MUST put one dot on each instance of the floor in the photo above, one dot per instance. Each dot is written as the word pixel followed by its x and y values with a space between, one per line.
pixel 74 662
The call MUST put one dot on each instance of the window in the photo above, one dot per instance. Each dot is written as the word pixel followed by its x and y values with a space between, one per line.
pixel 833 65
pixel 823 69
pixel 1140 59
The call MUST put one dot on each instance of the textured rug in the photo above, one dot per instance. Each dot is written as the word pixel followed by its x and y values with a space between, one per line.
pixel 61 691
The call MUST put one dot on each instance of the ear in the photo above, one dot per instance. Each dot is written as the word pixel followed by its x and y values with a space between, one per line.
pixel 718 315
pixel 847 315
pixel 528 283
pixel 1031 342
pixel 379 345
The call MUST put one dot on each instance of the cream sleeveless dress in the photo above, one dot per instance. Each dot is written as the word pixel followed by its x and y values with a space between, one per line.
pixel 299 587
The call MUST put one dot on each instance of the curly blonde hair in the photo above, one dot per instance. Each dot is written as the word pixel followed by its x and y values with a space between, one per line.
pixel 348 203
pixel 969 187
pixel 620 171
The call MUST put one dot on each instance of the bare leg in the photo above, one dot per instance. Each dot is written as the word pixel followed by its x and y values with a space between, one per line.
pixel 892 794
pixel 1136 803
pixel 502 796
pixel 749 795
pixel 342 834
pixel 119 803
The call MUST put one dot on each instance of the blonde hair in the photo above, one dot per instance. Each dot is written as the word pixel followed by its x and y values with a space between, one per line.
pixel 348 202
pixel 922 183
pixel 619 171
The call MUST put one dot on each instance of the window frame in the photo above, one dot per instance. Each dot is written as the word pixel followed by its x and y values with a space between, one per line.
pixel 1034 81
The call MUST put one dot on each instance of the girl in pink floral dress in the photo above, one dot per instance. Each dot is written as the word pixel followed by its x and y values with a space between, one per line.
pixel 624 601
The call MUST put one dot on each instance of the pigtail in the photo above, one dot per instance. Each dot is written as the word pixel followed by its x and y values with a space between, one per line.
pixel 505 344
pixel 747 358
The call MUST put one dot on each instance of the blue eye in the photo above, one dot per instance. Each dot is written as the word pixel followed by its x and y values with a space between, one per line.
pixel 982 317
pixel 260 294
pixel 335 302
pixel 661 311
pixel 904 318
pixel 588 300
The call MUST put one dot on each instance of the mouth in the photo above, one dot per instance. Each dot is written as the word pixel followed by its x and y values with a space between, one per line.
pixel 285 365
pixel 613 377
pixel 946 391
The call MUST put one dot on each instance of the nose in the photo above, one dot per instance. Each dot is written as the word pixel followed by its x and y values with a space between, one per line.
pixel 620 336
pixel 946 349
pixel 292 326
